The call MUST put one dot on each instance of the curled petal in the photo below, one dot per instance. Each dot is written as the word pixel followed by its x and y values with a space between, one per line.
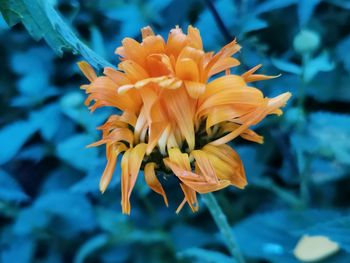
pixel 153 182
pixel 113 151
pixel 205 166
pixel 117 135
pixel 227 113
pixel 247 134
pixel 227 164
pixel 223 64
pixel 249 76
pixel 190 198
pixel 195 181
pixel 179 158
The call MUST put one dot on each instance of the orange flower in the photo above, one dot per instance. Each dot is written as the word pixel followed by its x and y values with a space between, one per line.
pixel 174 118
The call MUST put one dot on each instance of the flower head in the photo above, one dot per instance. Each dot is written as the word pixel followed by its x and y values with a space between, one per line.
pixel 175 116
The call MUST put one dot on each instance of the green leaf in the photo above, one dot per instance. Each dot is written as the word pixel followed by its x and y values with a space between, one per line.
pixel 337 230
pixel 90 247
pixel 10 190
pixel 43 21
pixel 73 151
pixel 306 9
pixel 21 249
pixel 286 66
pixel 272 236
pixel 320 63
pixel 205 256
pixel 342 50
pixel 323 147
pixel 74 211
pixel 13 137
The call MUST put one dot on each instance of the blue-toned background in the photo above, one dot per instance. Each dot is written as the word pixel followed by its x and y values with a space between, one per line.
pixel 299 180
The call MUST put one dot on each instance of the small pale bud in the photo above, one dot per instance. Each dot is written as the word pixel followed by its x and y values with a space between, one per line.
pixel 306 41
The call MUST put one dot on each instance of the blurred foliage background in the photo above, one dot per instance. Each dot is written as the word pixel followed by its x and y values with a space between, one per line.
pixel 50 206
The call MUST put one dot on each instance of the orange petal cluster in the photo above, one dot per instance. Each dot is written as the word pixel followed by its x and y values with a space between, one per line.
pixel 176 116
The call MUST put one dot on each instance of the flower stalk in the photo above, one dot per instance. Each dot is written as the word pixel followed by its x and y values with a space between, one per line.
pixel 225 229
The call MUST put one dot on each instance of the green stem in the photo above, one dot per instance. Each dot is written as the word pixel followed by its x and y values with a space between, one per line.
pixel 225 229
pixel 304 173
pixel 285 195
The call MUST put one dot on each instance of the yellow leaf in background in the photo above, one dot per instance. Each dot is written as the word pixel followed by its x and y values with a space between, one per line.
pixel 315 248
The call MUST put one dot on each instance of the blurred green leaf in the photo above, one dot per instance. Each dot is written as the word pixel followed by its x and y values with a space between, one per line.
pixel 185 236
pixel 273 235
pixel 31 220
pixel 286 66
pixel 73 211
pixel 305 10
pixel 10 190
pixel 90 246
pixel 320 63
pixel 323 128
pixel 42 21
pixel 205 256
pixel 73 151
pixel 21 249
pixel 13 137
pixel 342 51
pixel 271 5
pixel 337 229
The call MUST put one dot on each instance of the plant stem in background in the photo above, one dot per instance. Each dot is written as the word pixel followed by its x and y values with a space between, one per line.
pixel 283 194
pixel 225 229
pixel 304 173
pixel 223 29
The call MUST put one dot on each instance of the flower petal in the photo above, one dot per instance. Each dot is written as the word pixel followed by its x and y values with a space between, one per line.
pixel 104 92
pixel 223 64
pixel 194 37
pixel 249 76
pixel 125 181
pixel 135 160
pixel 87 70
pixel 195 181
pixel 187 69
pixel 177 40
pixel 117 135
pixel 154 45
pixel 226 113
pixel 146 32
pixel 153 182
pixel 194 89
pixel 227 164
pixel 133 70
pixel 179 158
pixel 133 50
pixel 118 77
pixel 181 110
pixel 131 163
pixel 205 166
pixel 112 152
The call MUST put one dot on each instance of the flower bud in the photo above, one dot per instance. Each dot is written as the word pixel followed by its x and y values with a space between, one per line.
pixel 306 41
